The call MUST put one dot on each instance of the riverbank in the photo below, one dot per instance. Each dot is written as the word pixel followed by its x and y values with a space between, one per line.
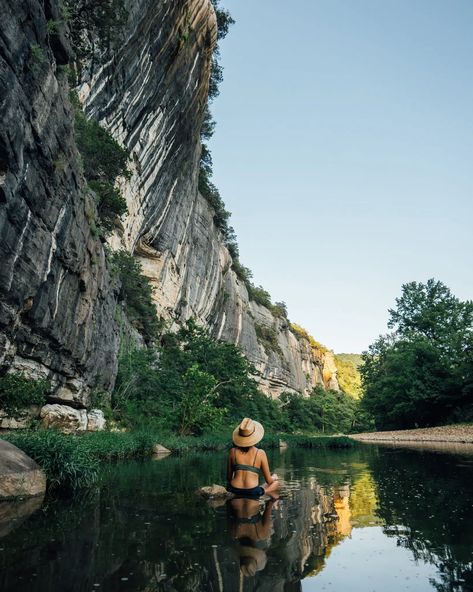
pixel 461 434
pixel 72 462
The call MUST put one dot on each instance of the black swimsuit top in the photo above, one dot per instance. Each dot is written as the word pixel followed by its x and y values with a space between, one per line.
pixel 240 467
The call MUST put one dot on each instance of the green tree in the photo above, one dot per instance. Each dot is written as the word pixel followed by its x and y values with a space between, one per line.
pixel 421 374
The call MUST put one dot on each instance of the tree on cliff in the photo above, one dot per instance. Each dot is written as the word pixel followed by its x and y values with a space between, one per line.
pixel 422 373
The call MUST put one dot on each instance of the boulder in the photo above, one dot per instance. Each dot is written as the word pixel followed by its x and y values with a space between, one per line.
pixel 20 476
pixel 95 420
pixel 215 492
pixel 64 418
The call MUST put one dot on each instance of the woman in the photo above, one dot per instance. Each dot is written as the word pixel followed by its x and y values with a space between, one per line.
pixel 246 463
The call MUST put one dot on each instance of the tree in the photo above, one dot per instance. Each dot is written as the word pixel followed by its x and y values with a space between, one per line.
pixel 422 373
pixel 431 311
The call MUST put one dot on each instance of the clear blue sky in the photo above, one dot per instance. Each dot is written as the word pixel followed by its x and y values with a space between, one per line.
pixel 344 150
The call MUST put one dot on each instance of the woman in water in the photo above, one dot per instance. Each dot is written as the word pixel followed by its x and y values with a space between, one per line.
pixel 246 463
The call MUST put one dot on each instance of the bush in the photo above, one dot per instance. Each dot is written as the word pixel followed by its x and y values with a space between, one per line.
pixel 111 203
pixel 104 160
pixel 268 338
pixel 136 293
pixel 301 333
pixel 18 392
pixel 259 295
pixel 95 27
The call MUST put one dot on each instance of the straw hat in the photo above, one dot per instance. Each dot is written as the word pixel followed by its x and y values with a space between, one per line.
pixel 248 433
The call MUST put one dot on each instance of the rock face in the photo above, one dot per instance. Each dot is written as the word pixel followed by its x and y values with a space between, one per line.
pixel 19 475
pixel 56 300
pixel 151 97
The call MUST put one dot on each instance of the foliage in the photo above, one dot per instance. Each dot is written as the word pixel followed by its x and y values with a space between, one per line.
pixel 259 295
pixel 422 373
pixel 348 374
pixel 324 410
pixel 18 392
pixel 301 333
pixel 104 161
pixel 268 338
pixel 111 203
pixel 68 465
pixel 189 383
pixel 95 27
pixel 136 293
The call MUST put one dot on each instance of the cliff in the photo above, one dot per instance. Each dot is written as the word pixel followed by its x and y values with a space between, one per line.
pixel 152 97
pixel 56 298
pixel 57 301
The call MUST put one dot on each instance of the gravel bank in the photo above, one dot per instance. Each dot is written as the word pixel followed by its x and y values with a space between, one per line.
pixel 452 433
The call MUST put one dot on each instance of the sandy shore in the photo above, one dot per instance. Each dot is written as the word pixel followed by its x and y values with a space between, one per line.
pixel 453 433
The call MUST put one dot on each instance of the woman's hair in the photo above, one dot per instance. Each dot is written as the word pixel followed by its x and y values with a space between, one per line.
pixel 244 448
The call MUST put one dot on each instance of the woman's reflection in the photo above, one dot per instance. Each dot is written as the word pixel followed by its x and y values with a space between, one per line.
pixel 251 528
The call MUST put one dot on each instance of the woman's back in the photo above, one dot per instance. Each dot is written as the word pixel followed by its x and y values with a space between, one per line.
pixel 246 466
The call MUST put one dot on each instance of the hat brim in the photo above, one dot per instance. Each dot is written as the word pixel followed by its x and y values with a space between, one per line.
pixel 255 437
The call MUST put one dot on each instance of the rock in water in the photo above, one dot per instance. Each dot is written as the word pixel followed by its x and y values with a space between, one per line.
pixel 14 512
pixel 20 476
pixel 214 491
pixel 160 450
pixel 67 419
pixel 95 420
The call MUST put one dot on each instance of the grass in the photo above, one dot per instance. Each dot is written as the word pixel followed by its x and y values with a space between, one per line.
pixel 72 463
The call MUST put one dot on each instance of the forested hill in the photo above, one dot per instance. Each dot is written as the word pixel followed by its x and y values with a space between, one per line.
pixel 349 378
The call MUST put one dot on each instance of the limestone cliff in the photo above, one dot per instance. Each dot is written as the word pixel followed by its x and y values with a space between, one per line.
pixel 57 302
pixel 152 96
pixel 56 299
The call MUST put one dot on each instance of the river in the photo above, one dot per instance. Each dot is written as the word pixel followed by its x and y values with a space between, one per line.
pixel 368 519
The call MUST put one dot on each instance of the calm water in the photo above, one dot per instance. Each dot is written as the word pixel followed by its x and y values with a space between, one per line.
pixel 373 519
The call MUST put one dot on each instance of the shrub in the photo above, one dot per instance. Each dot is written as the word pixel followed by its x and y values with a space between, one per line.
pixel 301 333
pixel 111 203
pixel 18 392
pixel 104 160
pixel 136 293
pixel 268 338
pixel 259 295
pixel 95 27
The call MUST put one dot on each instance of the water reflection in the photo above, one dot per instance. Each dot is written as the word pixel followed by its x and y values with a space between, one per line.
pixel 345 517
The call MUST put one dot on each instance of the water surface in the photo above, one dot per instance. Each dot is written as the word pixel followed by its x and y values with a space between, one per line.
pixel 370 519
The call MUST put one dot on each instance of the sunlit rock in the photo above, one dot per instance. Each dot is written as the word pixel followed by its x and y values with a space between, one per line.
pixel 64 418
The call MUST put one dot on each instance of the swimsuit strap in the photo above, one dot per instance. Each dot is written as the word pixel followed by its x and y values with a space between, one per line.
pixel 242 467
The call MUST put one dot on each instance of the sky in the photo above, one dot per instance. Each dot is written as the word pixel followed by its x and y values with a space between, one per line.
pixel 344 150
